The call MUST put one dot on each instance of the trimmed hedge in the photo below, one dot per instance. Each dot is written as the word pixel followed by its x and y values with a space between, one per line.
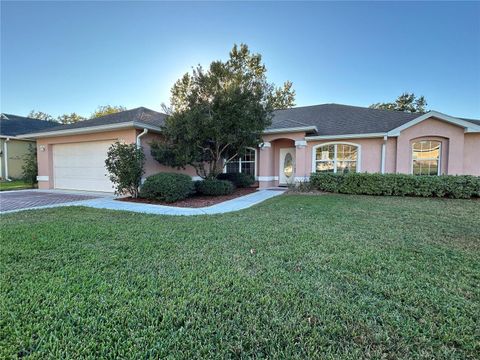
pixel 240 180
pixel 214 187
pixel 458 187
pixel 169 187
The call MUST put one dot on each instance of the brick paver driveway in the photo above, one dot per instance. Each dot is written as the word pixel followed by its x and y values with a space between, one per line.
pixel 16 200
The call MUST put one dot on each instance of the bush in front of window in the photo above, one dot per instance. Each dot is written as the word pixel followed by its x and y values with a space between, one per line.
pixel 214 187
pixel 452 186
pixel 240 180
pixel 168 187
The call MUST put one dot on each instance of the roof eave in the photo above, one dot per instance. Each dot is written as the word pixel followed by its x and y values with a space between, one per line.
pixel 92 129
pixel 345 136
pixel 292 129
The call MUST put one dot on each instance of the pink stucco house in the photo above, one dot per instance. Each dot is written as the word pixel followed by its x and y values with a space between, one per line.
pixel 302 140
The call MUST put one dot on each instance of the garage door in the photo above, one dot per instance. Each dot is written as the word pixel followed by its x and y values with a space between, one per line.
pixel 81 166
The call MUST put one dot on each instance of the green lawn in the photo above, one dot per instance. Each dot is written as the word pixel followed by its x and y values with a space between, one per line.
pixel 332 276
pixel 14 185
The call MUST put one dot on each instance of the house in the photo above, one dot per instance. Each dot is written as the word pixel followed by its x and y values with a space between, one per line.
pixel 12 148
pixel 329 137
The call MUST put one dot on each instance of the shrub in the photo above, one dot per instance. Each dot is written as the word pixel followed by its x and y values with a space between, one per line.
pixel 169 187
pixel 240 180
pixel 214 187
pixel 453 186
pixel 125 165
pixel 29 167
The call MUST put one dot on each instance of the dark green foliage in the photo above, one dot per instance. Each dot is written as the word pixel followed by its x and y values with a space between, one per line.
pixel 297 277
pixel 29 167
pixel 214 187
pixel 169 187
pixel 218 111
pixel 240 180
pixel 407 102
pixel 458 187
pixel 125 164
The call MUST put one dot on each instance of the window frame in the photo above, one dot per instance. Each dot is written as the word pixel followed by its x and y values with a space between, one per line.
pixel 240 163
pixel 439 169
pixel 335 160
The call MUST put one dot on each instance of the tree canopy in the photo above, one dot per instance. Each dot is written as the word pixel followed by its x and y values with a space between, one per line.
pixel 40 115
pixel 70 118
pixel 107 110
pixel 217 113
pixel 74 117
pixel 406 102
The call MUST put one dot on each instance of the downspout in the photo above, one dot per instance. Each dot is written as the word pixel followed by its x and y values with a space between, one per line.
pixel 5 156
pixel 384 153
pixel 144 132
pixel 139 144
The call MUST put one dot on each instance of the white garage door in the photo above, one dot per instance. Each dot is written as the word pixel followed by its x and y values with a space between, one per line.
pixel 81 166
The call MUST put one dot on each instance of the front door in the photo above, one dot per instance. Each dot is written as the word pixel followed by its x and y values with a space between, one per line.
pixel 287 166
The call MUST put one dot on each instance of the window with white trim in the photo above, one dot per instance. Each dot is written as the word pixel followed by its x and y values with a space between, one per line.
pixel 243 164
pixel 426 157
pixel 336 158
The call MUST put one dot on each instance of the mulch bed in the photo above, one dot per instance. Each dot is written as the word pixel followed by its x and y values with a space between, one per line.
pixel 195 201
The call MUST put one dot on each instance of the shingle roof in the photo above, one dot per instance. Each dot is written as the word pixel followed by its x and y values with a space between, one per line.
pixel 12 125
pixel 140 114
pixel 473 121
pixel 336 119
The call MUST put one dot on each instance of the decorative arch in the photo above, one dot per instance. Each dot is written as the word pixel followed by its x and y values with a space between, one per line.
pixel 335 159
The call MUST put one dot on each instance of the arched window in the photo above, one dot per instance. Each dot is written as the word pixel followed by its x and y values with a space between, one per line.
pixel 426 157
pixel 243 164
pixel 336 158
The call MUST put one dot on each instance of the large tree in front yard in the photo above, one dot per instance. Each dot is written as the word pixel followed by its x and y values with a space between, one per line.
pixel 217 113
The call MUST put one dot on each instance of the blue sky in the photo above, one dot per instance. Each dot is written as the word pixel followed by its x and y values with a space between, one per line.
pixel 63 57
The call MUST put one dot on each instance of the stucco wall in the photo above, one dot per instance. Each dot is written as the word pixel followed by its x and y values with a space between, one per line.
pixel 152 166
pixel 451 136
pixel 45 158
pixel 17 149
pixel 370 152
pixel 471 154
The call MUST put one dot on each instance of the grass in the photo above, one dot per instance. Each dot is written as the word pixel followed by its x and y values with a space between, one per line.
pixel 14 185
pixel 331 277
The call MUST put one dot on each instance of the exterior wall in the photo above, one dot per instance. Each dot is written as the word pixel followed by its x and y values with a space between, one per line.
pixel 370 153
pixel 269 161
pixel 471 154
pixel 152 166
pixel 45 157
pixel 451 136
pixel 17 149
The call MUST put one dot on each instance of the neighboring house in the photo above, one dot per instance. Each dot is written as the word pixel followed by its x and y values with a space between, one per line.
pixel 329 137
pixel 12 148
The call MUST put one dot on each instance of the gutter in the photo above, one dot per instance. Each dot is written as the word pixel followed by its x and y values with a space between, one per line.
pixel 5 156
pixel 292 129
pixel 91 129
pixel 345 136
pixel 139 136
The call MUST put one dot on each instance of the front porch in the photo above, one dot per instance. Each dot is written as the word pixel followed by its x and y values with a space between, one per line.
pixel 283 160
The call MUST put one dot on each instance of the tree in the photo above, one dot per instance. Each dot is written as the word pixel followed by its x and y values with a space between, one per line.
pixel 406 102
pixel 125 165
pixel 70 118
pixel 217 113
pixel 29 167
pixel 107 110
pixel 40 115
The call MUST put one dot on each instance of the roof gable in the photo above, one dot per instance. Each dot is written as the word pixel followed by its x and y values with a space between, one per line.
pixel 469 126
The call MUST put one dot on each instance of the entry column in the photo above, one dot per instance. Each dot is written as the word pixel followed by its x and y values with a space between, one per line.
pixel 266 177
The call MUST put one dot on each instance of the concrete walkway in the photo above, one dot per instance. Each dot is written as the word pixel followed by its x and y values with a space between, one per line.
pixel 109 203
